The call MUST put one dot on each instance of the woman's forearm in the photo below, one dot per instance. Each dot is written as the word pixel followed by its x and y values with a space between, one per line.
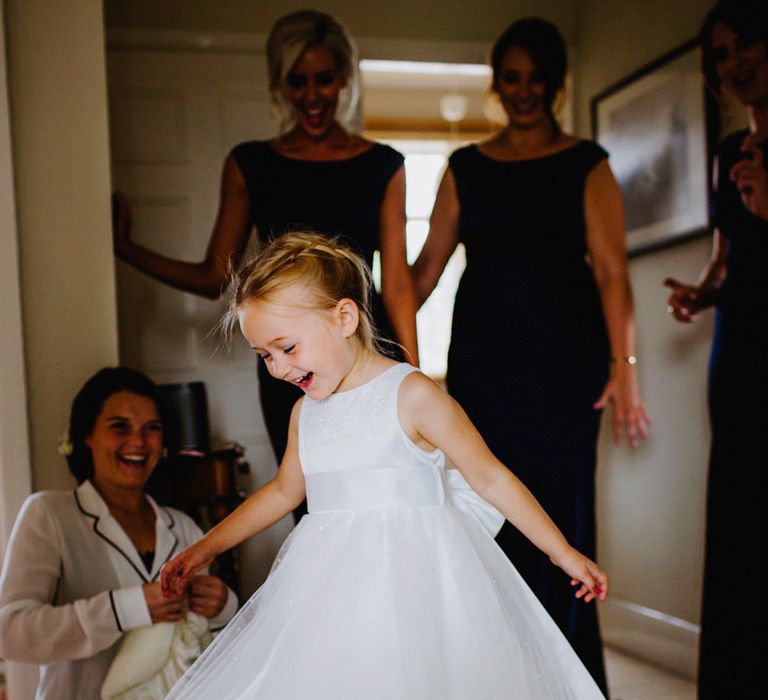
pixel 713 274
pixel 202 278
pixel 226 245
pixel 425 278
pixel 400 304
pixel 519 506
pixel 441 242
pixel 264 507
pixel 618 311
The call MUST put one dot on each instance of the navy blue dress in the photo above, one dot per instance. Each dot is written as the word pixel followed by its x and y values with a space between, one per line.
pixel 735 605
pixel 529 353
pixel 332 197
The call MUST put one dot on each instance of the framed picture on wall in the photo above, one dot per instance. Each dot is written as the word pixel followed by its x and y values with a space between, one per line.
pixel 654 124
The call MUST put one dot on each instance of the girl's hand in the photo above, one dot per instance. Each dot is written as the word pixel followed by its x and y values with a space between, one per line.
pixel 121 222
pixel 177 572
pixel 162 608
pixel 629 414
pixel 207 595
pixel 592 581
pixel 751 178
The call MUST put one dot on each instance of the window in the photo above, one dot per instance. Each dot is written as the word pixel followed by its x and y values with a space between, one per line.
pixel 426 110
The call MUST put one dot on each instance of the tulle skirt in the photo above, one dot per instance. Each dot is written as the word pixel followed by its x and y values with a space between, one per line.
pixel 397 604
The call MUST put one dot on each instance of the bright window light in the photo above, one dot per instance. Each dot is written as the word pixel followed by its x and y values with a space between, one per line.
pixel 368 65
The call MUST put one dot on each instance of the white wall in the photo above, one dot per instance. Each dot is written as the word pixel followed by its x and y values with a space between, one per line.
pixel 14 445
pixel 57 91
pixel 437 20
pixel 60 168
pixel 651 500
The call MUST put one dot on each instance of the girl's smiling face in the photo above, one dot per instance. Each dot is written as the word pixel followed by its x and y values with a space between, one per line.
pixel 126 441
pixel 313 349
pixel 741 67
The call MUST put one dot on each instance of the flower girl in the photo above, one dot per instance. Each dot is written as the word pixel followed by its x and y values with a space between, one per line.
pixel 391 588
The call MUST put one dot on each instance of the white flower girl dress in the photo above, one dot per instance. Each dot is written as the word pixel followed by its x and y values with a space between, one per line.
pixel 387 589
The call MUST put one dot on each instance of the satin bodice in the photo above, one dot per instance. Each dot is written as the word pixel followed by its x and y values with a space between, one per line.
pixel 359 429
pixel 356 456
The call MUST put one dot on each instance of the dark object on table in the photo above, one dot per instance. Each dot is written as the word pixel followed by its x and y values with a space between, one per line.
pixel 187 406
pixel 205 487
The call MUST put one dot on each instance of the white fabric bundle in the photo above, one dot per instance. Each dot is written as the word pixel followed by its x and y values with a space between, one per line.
pixel 151 659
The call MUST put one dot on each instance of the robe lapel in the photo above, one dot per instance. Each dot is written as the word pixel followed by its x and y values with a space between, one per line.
pixel 108 529
pixel 166 539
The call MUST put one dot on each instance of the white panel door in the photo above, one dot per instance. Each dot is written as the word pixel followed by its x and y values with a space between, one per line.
pixel 174 115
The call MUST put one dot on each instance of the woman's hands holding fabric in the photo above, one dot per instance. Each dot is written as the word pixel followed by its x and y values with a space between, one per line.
pixel 751 178
pixel 178 572
pixel 629 414
pixel 592 581
pixel 162 608
pixel 207 595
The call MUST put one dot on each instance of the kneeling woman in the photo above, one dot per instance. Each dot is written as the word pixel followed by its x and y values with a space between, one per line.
pixel 82 566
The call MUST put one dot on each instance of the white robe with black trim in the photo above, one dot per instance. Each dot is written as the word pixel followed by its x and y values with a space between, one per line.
pixel 72 584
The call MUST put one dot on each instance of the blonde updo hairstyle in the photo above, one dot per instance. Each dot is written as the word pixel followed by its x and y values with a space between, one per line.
pixel 328 269
pixel 291 35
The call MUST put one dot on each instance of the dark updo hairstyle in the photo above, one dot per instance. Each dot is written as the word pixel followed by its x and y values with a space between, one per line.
pixel 544 43
pixel 748 18
pixel 89 403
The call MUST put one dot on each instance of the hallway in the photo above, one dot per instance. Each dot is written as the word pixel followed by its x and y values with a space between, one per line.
pixel 630 678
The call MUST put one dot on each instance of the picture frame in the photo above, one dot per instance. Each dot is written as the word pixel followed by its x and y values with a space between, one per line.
pixel 659 124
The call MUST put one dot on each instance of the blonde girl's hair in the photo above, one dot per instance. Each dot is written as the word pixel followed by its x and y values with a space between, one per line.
pixel 290 36
pixel 329 270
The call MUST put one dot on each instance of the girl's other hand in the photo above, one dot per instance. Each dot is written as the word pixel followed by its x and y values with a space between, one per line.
pixel 177 572
pixel 207 595
pixel 162 608
pixel 592 581
pixel 751 178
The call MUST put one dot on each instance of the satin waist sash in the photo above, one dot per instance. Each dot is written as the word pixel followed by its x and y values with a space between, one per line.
pixel 374 489
pixel 380 489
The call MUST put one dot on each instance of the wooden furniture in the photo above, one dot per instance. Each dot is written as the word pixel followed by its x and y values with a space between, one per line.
pixel 205 487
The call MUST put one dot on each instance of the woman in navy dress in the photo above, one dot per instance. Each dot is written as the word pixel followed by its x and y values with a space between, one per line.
pixel 315 175
pixel 543 332
pixel 734 40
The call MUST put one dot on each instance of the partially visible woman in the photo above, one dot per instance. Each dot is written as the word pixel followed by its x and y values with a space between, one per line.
pixel 316 175
pixel 82 567
pixel 734 41
pixel 543 329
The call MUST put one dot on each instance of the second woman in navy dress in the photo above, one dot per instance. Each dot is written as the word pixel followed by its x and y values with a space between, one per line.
pixel 543 307
pixel 316 175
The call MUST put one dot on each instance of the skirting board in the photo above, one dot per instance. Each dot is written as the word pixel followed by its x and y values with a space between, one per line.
pixel 661 639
